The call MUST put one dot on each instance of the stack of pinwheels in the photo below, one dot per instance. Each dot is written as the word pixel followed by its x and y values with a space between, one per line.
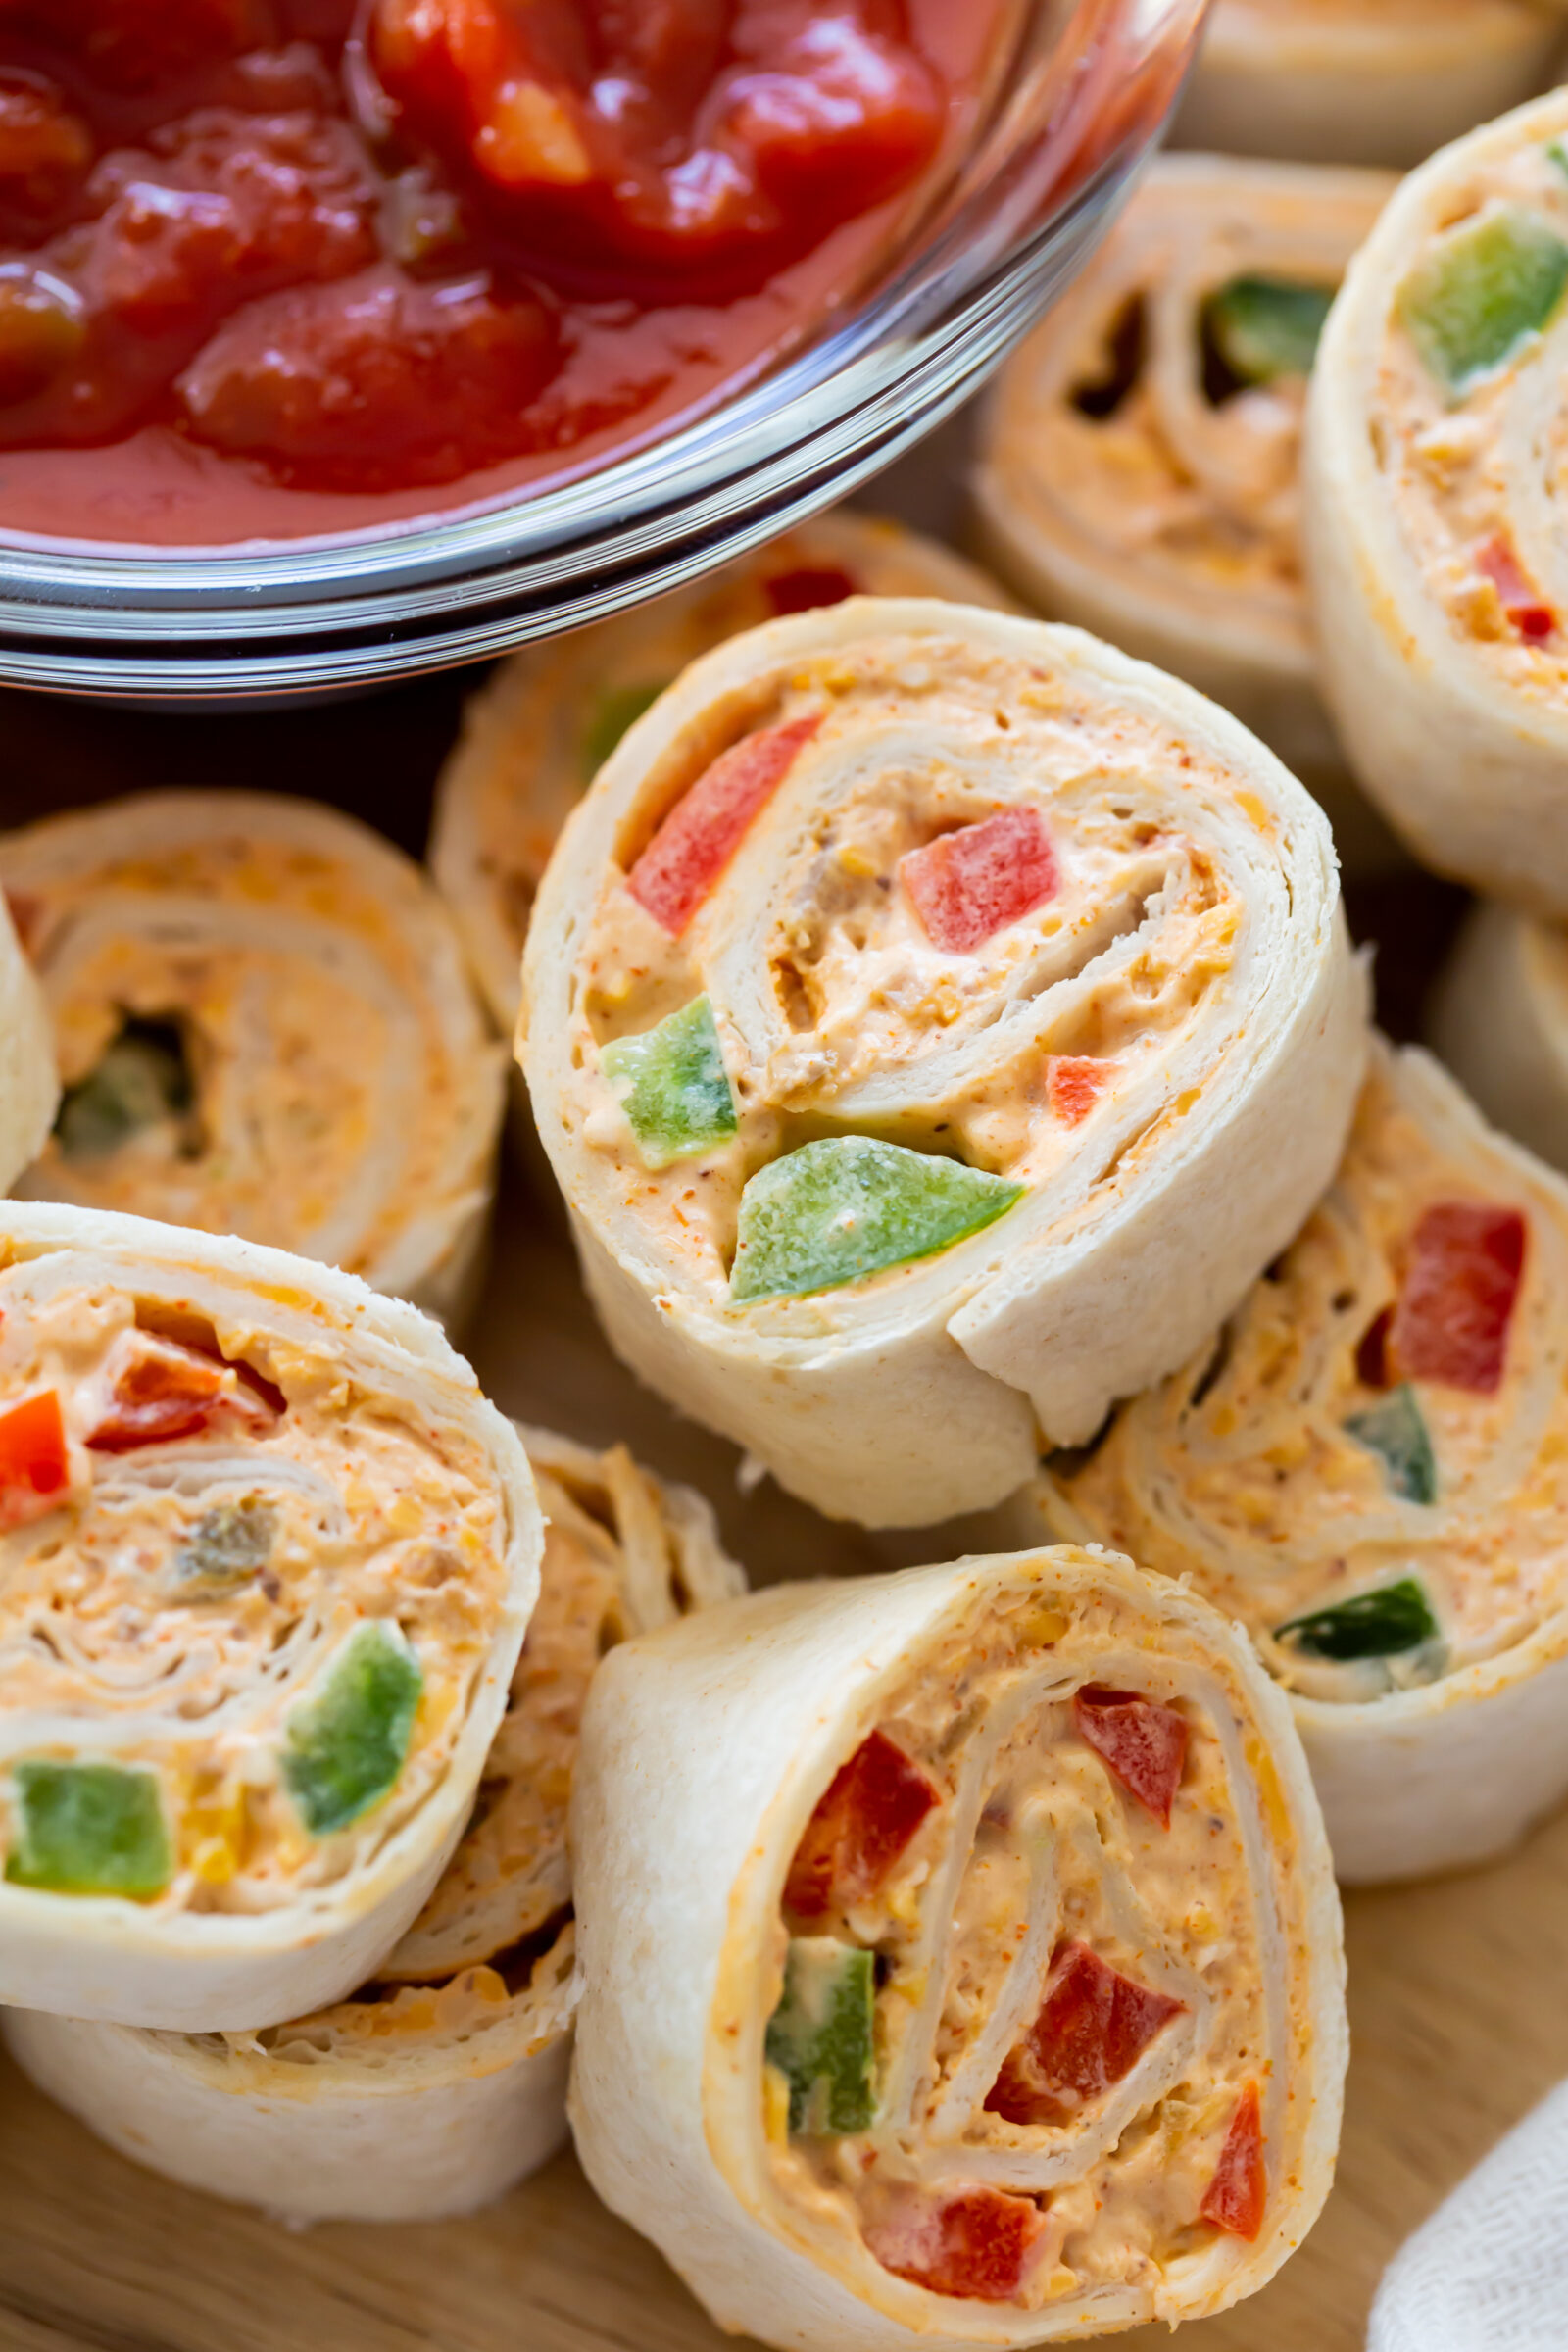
pixel 934 1005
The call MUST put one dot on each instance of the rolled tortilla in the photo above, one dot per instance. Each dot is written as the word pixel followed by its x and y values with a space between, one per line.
pixel 265 1027
pixel 960 1958
pixel 30 1087
pixel 269 1556
pixel 1335 81
pixel 1439 584
pixel 935 1020
pixel 1499 1020
pixel 1137 469
pixel 1368 1471
pixel 537 732
pixel 435 2087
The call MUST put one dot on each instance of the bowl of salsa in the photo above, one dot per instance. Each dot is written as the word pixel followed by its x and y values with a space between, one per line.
pixel 346 338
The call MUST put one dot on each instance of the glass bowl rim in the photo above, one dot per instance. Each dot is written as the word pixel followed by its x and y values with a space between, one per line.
pixel 970 285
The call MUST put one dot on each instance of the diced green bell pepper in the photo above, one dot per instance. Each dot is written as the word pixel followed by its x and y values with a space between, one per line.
pixel 142 1078
pixel 1479 294
pixel 347 1746
pixel 1370 1625
pixel 609 714
pixel 821 2036
pixel 836 1212
pixel 1264 328
pixel 1395 1429
pixel 229 1542
pixel 670 1083
pixel 89 1829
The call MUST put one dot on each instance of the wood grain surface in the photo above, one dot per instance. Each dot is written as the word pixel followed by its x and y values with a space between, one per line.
pixel 1455 2022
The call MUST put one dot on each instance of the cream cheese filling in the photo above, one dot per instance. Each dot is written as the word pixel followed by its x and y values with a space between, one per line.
pixel 836 1011
pixel 325 1072
pixel 490 1958
pixel 551 718
pixel 131 1635
pixel 1035 1847
pixel 1485 466
pixel 1243 1470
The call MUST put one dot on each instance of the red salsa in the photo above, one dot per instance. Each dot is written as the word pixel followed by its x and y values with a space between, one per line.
pixel 358 256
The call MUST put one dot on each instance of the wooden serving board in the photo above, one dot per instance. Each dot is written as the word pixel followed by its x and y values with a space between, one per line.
pixel 1457 2026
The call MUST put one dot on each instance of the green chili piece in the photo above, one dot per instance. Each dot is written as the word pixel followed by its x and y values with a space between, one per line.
pixel 836 1212
pixel 821 2036
pixel 347 1746
pixel 1264 327
pixel 229 1542
pixel 1370 1625
pixel 1483 291
pixel 89 1829
pixel 670 1083
pixel 1395 1429
pixel 142 1078
pixel 609 714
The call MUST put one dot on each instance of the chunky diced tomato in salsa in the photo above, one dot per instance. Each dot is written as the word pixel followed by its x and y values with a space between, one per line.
pixel 975 2242
pixel 370 382
pixel 700 145
pixel 45 151
pixel 135 48
pixel 1143 1743
pixel 34 1465
pixel 1461 1281
pixel 500 194
pixel 1238 2194
pixel 708 824
pixel 1094 2025
pixel 872 1807
pixel 969 884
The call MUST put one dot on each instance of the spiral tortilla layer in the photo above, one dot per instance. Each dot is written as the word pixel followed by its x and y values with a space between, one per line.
pixel 1012 947
pixel 943 2202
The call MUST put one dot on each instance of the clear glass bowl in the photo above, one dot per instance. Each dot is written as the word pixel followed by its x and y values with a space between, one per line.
pixel 1090 92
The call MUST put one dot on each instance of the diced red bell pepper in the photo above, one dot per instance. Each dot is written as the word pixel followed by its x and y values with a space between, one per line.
pixel 1073 1082
pixel 1094 2025
pixel 160 1389
pixel 1143 1743
pixel 1466 1260
pixel 808 587
pixel 1520 598
pixel 975 2242
pixel 871 1809
pixel 1237 2196
pixel 971 884
pixel 34 1465
pixel 707 825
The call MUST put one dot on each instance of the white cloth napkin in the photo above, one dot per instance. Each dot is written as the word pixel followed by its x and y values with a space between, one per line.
pixel 1488 2272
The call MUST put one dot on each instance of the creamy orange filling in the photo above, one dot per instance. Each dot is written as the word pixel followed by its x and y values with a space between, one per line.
pixel 1258 1471
pixel 1041 1855
pixel 314 1079
pixel 494 1942
pixel 1473 480
pixel 232 1509
pixel 836 1011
